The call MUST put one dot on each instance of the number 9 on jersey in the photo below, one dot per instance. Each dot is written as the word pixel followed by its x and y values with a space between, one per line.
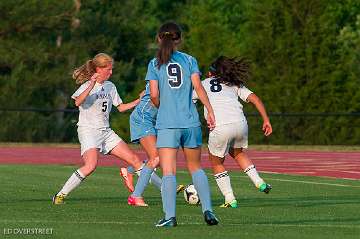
pixel 175 75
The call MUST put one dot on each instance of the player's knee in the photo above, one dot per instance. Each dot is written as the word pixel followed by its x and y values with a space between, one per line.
pixel 153 162
pixel 193 166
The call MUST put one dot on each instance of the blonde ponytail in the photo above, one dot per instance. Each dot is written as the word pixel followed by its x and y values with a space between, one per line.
pixel 84 72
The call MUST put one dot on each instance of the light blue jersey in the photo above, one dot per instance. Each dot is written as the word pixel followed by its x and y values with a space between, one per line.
pixel 176 109
pixel 143 118
pixel 145 106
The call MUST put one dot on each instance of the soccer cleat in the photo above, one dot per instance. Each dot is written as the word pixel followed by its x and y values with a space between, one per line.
pixel 127 179
pixel 264 187
pixel 180 188
pixel 232 204
pixel 136 201
pixel 58 199
pixel 171 222
pixel 210 218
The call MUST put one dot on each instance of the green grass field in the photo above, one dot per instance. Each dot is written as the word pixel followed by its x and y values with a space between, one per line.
pixel 298 207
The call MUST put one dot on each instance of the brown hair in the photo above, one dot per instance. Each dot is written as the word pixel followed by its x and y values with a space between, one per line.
pixel 170 36
pixel 231 71
pixel 84 72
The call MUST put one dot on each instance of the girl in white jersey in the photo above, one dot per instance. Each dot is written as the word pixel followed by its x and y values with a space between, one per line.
pixel 95 98
pixel 224 86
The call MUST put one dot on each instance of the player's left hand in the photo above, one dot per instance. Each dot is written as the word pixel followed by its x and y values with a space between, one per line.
pixel 211 121
pixel 94 77
pixel 267 128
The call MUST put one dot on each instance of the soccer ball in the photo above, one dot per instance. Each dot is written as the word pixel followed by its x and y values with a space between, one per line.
pixel 191 196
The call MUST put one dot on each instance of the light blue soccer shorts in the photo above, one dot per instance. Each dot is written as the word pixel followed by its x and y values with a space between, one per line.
pixel 142 124
pixel 175 138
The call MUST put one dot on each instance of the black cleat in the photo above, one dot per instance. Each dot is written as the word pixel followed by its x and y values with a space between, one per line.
pixel 171 222
pixel 210 218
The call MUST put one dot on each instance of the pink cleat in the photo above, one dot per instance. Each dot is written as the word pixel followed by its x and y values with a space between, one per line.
pixel 127 178
pixel 136 201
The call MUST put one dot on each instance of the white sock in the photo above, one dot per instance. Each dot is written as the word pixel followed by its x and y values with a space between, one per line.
pixel 224 184
pixel 152 175
pixel 75 179
pixel 253 175
pixel 137 172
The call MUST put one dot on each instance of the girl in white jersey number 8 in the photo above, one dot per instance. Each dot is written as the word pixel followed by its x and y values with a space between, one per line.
pixel 224 86
pixel 94 99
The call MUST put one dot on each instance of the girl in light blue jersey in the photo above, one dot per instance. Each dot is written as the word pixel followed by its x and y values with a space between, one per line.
pixel 173 75
pixel 142 130
pixel 95 97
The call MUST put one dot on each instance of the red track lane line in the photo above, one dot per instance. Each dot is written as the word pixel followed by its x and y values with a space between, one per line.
pixel 330 164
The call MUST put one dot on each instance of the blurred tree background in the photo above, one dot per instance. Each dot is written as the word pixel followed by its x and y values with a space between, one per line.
pixel 305 59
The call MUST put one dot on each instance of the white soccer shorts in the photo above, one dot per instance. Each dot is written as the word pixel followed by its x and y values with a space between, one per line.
pixel 224 137
pixel 103 139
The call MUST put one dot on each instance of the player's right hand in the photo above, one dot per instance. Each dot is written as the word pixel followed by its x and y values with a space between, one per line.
pixel 267 128
pixel 94 77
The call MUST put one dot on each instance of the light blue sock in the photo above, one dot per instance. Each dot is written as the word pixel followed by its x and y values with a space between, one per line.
pixel 143 181
pixel 168 195
pixel 202 187
pixel 155 180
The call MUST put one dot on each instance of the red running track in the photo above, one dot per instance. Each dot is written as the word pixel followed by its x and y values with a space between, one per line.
pixel 312 163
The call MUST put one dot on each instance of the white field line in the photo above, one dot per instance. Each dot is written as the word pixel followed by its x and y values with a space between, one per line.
pixel 293 181
pixel 181 223
pixel 306 182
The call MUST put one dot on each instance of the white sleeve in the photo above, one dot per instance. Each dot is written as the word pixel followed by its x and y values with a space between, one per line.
pixel 80 90
pixel 244 93
pixel 116 100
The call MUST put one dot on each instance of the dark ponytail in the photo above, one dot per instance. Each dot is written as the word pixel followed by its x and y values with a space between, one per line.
pixel 231 71
pixel 169 36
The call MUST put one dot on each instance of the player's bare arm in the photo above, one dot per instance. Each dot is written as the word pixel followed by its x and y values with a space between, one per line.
pixel 154 93
pixel 201 94
pixel 128 106
pixel 267 128
pixel 81 98
pixel 142 93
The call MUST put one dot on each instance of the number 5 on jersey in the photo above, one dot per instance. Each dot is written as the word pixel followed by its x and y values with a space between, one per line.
pixel 175 75
pixel 104 106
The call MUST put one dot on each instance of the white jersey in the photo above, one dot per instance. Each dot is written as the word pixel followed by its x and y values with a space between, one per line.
pixel 95 110
pixel 224 101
